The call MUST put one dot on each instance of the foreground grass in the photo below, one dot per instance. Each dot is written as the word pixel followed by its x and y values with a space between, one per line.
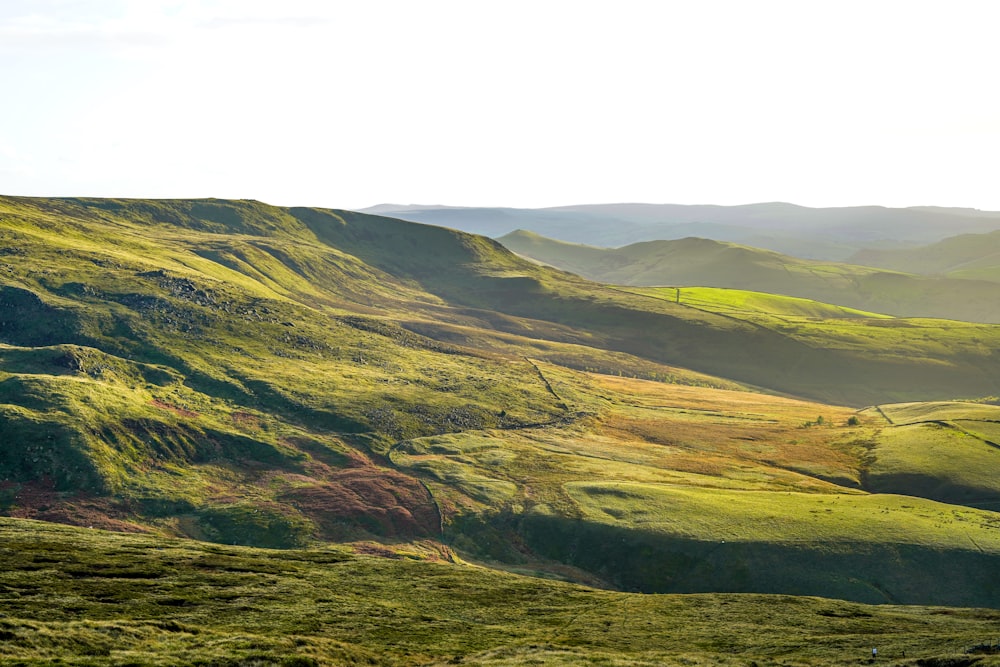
pixel 150 601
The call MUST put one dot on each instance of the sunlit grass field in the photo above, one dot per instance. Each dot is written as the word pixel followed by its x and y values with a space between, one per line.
pixel 947 451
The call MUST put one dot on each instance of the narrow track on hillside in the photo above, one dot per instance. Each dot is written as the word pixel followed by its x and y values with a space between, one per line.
pixel 565 420
pixel 437 507
pixel 975 544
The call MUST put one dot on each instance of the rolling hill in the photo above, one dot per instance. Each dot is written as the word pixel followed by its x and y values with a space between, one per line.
pixel 702 262
pixel 290 378
pixel 832 234
pixel 972 256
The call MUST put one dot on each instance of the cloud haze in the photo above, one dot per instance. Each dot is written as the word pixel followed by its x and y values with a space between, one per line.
pixel 515 103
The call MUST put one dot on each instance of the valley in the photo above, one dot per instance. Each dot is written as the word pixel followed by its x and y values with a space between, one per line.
pixel 389 443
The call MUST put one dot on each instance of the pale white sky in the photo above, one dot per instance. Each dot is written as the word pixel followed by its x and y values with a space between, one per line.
pixel 509 103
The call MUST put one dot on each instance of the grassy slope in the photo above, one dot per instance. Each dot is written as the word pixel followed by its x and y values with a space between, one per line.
pixel 229 370
pixel 667 488
pixel 476 272
pixel 480 275
pixel 973 256
pixel 235 372
pixel 701 262
pixel 84 597
pixel 945 451
pixel 875 343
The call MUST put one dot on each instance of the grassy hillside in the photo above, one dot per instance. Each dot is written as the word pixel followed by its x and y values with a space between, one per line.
pixel 254 375
pixel 971 256
pixel 681 489
pixel 172 275
pixel 84 597
pixel 479 274
pixel 969 296
pixel 945 451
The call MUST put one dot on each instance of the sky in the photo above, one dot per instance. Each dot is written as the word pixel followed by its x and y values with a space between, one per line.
pixel 523 103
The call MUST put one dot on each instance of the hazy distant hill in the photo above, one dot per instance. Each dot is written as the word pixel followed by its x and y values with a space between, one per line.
pixel 974 256
pixel 703 262
pixel 817 233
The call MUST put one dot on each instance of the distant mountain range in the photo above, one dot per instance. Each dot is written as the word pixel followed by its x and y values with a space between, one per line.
pixel 816 233
pixel 703 262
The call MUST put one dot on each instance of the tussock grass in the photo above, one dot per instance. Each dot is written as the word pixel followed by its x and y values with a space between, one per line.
pixel 150 601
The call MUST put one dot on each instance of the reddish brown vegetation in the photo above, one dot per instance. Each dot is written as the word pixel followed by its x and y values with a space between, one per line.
pixel 39 500
pixel 173 408
pixel 246 420
pixel 383 502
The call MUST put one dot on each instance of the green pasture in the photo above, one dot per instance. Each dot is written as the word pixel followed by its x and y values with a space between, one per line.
pixel 960 288
pixel 748 304
pixel 915 413
pixel 714 514
pixel 946 451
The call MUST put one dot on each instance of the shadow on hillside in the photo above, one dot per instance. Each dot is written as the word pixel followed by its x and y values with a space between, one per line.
pixel 649 562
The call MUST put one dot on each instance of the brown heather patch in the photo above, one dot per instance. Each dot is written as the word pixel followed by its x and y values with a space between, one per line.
pixel 190 414
pixel 374 549
pixel 40 501
pixel 381 501
pixel 725 433
pixel 737 403
pixel 246 420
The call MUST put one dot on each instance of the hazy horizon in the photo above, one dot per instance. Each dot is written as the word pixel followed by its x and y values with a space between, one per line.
pixel 524 105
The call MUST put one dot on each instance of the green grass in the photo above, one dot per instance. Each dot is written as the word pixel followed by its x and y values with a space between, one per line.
pixel 781 518
pixel 869 343
pixel 642 492
pixel 947 451
pixel 254 375
pixel 85 597
pixel 131 278
pixel 916 413
pixel 746 304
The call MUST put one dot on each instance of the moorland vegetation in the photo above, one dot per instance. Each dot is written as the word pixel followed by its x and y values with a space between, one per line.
pixel 333 401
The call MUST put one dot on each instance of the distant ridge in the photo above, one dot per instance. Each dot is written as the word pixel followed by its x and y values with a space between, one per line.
pixel 708 263
pixel 974 256
pixel 381 209
pixel 812 233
